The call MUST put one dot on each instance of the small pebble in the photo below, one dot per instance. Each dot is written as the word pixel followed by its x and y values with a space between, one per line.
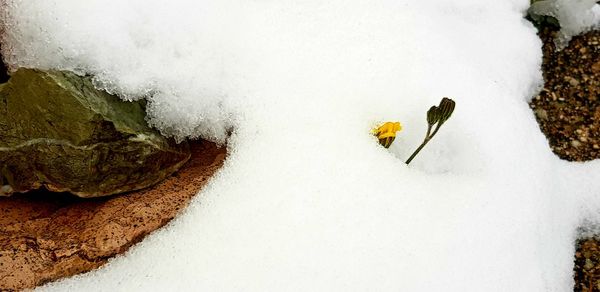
pixel 588 264
pixel 574 82
pixel 541 114
pixel 596 67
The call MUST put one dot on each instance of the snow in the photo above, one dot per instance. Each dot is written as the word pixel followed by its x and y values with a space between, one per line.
pixel 574 16
pixel 307 199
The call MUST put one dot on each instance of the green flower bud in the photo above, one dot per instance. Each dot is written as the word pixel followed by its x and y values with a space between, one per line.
pixel 445 109
pixel 433 115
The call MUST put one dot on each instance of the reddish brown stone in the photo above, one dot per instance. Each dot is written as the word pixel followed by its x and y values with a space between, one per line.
pixel 43 238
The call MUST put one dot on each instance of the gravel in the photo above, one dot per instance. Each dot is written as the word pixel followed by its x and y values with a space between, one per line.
pixel 568 111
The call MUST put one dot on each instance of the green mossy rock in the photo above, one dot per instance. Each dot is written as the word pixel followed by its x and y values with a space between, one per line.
pixel 58 131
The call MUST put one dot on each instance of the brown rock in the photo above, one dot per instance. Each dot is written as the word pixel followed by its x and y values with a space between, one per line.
pixel 596 67
pixel 43 238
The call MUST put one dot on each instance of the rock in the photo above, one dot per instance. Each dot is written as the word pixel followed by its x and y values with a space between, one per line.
pixel 542 114
pixel 574 82
pixel 44 238
pixel 596 67
pixel 59 132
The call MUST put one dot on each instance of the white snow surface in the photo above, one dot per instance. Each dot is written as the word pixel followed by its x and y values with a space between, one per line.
pixel 574 16
pixel 307 199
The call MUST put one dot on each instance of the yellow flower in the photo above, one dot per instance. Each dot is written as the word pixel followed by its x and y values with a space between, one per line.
pixel 386 133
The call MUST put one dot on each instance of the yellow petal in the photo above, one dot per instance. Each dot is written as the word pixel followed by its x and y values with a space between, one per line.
pixel 387 130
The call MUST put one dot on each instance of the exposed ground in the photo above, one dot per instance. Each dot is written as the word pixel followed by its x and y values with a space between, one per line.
pixel 568 111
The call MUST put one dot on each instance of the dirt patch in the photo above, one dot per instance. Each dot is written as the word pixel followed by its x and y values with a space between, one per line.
pixel 44 237
pixel 587 265
pixel 568 111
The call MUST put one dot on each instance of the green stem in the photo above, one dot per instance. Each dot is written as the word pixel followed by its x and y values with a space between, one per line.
pixel 425 141
pixel 418 149
pixel 436 129
pixel 428 130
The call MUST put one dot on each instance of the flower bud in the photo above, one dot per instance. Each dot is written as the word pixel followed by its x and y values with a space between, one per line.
pixel 445 109
pixel 433 115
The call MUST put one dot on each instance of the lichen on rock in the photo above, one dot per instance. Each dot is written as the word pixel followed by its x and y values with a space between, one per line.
pixel 59 132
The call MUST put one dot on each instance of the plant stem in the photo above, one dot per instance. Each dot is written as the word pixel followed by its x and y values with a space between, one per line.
pixel 436 129
pixel 425 141
pixel 418 149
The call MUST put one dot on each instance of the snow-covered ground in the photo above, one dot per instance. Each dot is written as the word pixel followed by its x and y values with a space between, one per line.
pixel 308 200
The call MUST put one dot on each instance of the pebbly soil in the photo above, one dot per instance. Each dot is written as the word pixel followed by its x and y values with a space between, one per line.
pixel 568 108
pixel 568 111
